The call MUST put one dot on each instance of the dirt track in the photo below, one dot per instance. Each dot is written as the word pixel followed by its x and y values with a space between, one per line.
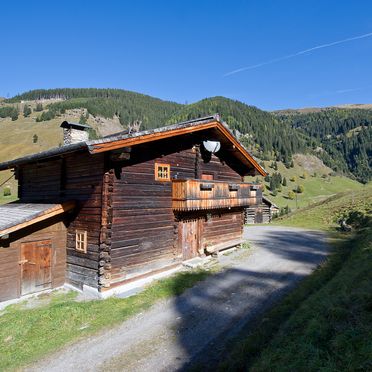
pixel 188 329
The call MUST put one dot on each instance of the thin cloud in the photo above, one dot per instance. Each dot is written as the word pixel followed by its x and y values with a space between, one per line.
pixel 341 91
pixel 297 54
pixel 335 92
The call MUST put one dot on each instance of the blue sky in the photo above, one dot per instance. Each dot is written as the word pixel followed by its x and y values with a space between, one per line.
pixel 184 50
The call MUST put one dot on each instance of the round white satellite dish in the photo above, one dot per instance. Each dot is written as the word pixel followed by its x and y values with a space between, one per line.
pixel 212 146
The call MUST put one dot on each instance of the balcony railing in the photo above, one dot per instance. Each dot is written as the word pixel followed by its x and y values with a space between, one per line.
pixel 192 194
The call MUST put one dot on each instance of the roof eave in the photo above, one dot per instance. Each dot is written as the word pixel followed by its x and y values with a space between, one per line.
pixel 56 210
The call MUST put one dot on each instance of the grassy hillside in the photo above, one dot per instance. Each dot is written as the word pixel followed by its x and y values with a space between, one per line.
pixel 20 135
pixel 19 141
pixel 324 215
pixel 326 322
pixel 266 135
pixel 319 182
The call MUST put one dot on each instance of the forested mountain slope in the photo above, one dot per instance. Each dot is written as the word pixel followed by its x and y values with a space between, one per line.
pixel 260 131
pixel 341 137
pixel 127 106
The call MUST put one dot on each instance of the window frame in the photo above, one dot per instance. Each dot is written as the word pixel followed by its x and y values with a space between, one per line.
pixel 162 165
pixel 81 241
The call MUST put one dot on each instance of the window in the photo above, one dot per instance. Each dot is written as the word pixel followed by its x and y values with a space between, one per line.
pixel 208 177
pixel 162 172
pixel 81 241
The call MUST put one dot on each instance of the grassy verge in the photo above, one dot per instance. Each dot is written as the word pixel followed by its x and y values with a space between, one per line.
pixel 332 329
pixel 319 184
pixel 326 322
pixel 323 215
pixel 28 334
pixel 7 199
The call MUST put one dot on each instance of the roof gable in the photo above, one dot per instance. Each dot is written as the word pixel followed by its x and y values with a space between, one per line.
pixel 131 139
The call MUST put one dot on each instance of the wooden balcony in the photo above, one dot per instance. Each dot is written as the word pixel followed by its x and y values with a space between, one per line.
pixel 192 194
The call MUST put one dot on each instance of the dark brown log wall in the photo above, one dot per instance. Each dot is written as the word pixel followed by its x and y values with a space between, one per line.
pixel 78 176
pixel 84 176
pixel 10 269
pixel 140 229
pixel 41 182
pixel 144 227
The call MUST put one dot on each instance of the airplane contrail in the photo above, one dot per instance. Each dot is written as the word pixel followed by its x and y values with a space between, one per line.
pixel 335 92
pixel 269 62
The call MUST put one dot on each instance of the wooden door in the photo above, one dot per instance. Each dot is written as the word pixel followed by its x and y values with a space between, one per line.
pixel 190 238
pixel 258 216
pixel 36 273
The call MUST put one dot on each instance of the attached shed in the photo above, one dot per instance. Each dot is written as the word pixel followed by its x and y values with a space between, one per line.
pixel 32 248
pixel 262 212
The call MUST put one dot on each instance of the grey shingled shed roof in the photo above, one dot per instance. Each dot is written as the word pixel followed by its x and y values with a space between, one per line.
pixel 13 216
pixel 268 201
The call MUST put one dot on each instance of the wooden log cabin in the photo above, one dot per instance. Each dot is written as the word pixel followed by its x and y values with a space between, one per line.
pixel 97 214
pixel 262 212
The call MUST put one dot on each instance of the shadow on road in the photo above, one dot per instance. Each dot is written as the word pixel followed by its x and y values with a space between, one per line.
pixel 212 313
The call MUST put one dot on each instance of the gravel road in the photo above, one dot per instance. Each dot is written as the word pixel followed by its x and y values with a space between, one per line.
pixel 179 332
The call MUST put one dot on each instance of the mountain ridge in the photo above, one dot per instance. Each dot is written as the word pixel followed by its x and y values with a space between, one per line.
pixel 268 135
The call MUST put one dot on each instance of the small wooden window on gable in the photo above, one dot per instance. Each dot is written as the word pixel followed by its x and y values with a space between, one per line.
pixel 81 241
pixel 208 177
pixel 162 172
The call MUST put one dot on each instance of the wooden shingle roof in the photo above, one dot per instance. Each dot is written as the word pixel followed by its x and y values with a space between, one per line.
pixel 15 216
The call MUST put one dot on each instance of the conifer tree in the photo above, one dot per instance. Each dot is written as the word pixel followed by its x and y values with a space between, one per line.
pixel 26 111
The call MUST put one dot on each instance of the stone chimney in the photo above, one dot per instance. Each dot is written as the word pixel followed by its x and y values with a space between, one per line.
pixel 74 132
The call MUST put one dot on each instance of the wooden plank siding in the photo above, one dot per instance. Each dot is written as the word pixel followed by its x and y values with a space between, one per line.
pixel 194 194
pixel 260 213
pixel 222 226
pixel 10 254
pixel 219 169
